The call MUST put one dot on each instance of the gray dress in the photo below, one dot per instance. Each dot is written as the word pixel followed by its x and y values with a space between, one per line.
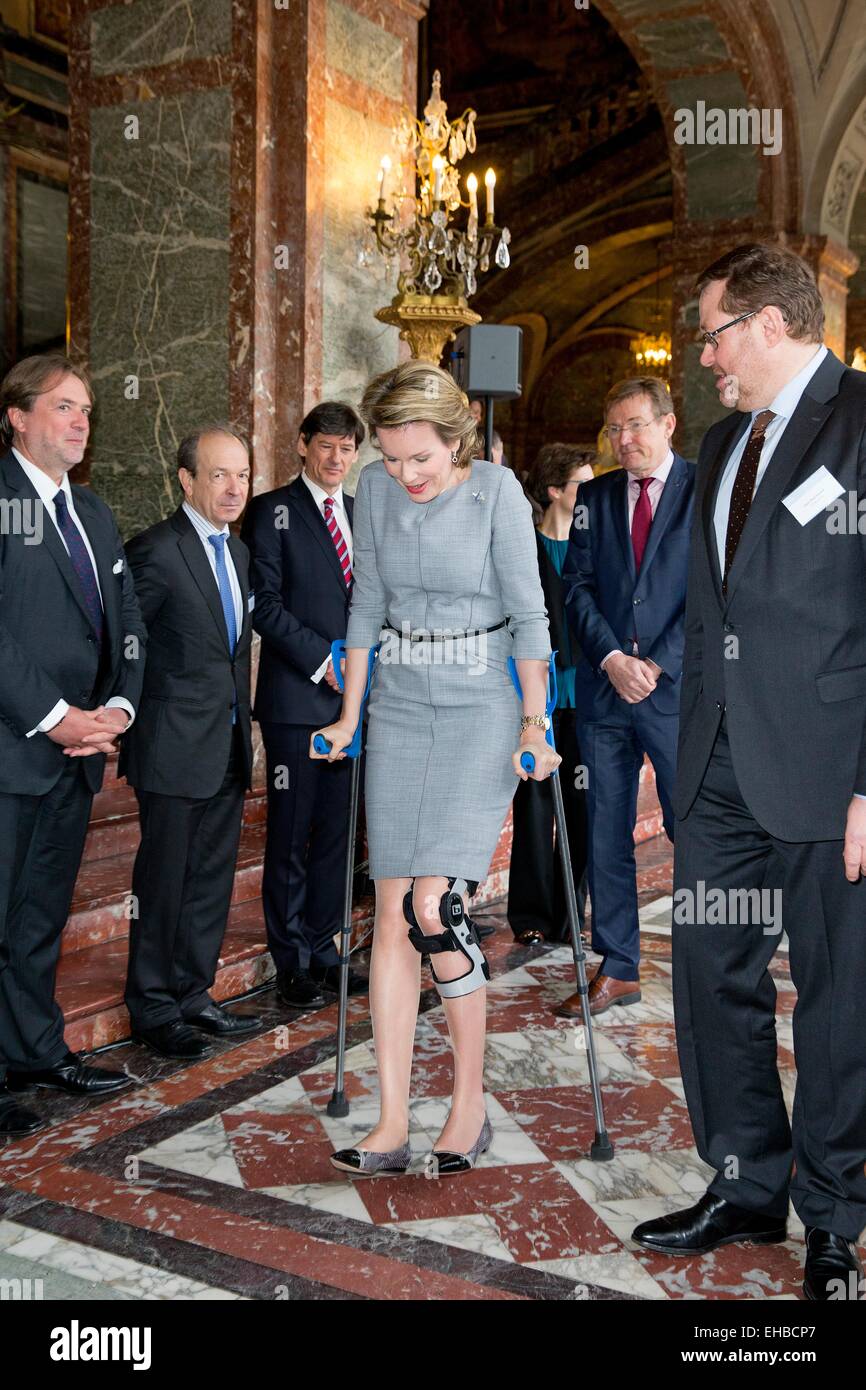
pixel 444 718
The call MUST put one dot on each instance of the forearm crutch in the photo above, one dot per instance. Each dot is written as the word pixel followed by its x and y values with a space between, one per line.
pixel 601 1149
pixel 338 1105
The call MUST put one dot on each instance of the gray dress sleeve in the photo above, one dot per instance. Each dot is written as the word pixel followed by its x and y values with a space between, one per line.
pixel 515 560
pixel 368 605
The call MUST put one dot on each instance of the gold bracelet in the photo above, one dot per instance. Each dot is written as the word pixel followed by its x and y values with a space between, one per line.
pixel 534 721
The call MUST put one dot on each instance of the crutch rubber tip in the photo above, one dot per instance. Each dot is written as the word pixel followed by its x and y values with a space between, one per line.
pixel 527 762
pixel 321 744
pixel 601 1149
pixel 338 1106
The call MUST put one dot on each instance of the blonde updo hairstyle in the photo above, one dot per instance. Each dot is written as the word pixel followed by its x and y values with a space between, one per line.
pixel 419 393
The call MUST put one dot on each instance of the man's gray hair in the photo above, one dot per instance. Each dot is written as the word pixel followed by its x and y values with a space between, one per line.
pixel 187 450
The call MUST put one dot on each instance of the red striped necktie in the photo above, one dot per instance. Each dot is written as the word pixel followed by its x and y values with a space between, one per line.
pixel 339 541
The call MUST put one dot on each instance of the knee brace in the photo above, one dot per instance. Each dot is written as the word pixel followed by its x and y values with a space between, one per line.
pixel 459 935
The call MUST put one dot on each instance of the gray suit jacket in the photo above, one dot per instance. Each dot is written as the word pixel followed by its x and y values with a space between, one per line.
pixel 472 563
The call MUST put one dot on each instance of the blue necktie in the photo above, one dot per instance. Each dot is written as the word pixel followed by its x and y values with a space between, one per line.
pixel 81 563
pixel 228 603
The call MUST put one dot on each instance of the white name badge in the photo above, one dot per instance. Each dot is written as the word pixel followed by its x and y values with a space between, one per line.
pixel 813 496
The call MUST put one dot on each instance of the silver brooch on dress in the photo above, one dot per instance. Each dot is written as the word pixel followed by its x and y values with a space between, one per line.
pixel 478 497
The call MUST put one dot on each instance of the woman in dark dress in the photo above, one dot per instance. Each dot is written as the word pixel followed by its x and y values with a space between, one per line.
pixel 536 895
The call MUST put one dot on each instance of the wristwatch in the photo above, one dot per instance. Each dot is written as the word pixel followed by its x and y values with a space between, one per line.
pixel 534 721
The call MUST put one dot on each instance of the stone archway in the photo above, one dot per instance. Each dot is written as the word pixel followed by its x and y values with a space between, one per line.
pixel 731 56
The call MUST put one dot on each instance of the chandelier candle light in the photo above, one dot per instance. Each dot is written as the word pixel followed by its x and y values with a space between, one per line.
pixel 438 261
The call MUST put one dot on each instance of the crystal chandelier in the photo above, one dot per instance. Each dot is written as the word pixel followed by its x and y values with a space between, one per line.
pixel 438 261
pixel 652 350
pixel 652 354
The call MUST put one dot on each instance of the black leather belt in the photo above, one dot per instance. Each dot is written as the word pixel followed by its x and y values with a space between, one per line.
pixel 446 636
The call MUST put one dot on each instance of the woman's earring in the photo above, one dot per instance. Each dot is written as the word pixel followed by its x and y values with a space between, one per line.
pixel 454 457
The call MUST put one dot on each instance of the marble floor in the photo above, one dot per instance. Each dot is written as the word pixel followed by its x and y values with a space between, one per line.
pixel 213 1181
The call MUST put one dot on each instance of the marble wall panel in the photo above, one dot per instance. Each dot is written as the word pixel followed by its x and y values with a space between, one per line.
pixel 683 43
pixel 356 345
pixel 701 406
pixel 42 219
pixel 363 50
pixel 159 290
pixel 721 180
pixel 152 33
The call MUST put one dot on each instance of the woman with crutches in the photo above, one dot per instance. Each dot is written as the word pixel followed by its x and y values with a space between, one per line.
pixel 445 570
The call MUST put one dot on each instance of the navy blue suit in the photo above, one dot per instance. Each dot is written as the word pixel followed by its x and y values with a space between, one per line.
pixel 301 606
pixel 610 606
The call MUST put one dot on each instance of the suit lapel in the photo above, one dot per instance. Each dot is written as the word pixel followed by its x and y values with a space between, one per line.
pixel 192 550
pixel 799 435
pixel 736 427
pixel 305 507
pixel 17 480
pixel 671 493
pixel 103 550
pixel 240 556
pixel 619 497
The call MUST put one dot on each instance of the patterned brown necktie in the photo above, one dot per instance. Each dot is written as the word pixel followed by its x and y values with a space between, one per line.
pixel 743 489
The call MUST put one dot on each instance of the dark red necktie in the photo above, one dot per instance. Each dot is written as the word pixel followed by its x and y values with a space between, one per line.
pixel 641 522
pixel 743 489
pixel 339 541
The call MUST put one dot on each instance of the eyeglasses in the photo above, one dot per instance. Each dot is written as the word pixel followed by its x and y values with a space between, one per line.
pixel 711 339
pixel 613 432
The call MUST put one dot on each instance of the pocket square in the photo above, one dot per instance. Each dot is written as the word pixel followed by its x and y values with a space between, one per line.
pixel 117 568
pixel 251 603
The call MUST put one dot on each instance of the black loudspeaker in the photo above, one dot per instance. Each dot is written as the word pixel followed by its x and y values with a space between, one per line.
pixel 486 360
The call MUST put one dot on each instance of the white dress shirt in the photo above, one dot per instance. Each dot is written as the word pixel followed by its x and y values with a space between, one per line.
pixel 47 489
pixel 658 478
pixel 205 528
pixel 783 408
pixel 341 517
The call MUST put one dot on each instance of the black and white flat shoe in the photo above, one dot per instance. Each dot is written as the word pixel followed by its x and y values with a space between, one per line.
pixel 364 1163
pixel 441 1163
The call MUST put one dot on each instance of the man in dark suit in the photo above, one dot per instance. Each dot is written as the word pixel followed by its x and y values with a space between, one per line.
pixel 300 540
pixel 71 664
pixel 625 582
pixel 772 778
pixel 189 755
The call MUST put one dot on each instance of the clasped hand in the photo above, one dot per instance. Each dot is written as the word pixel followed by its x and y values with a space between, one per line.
pixel 632 677
pixel 83 732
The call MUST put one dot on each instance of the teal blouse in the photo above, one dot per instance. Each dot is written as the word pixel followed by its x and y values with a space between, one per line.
pixel 564 662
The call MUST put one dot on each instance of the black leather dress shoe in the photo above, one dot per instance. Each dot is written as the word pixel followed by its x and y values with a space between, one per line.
pixel 298 989
pixel 14 1119
pixel 328 979
pixel 70 1075
pixel 221 1023
pixel 833 1271
pixel 711 1222
pixel 174 1039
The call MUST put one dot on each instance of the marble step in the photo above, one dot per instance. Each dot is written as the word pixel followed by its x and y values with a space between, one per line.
pixel 90 981
pixel 100 905
pixel 113 828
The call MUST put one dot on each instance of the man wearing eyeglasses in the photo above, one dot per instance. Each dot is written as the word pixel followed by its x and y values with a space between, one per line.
pixel 771 781
pixel 625 582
